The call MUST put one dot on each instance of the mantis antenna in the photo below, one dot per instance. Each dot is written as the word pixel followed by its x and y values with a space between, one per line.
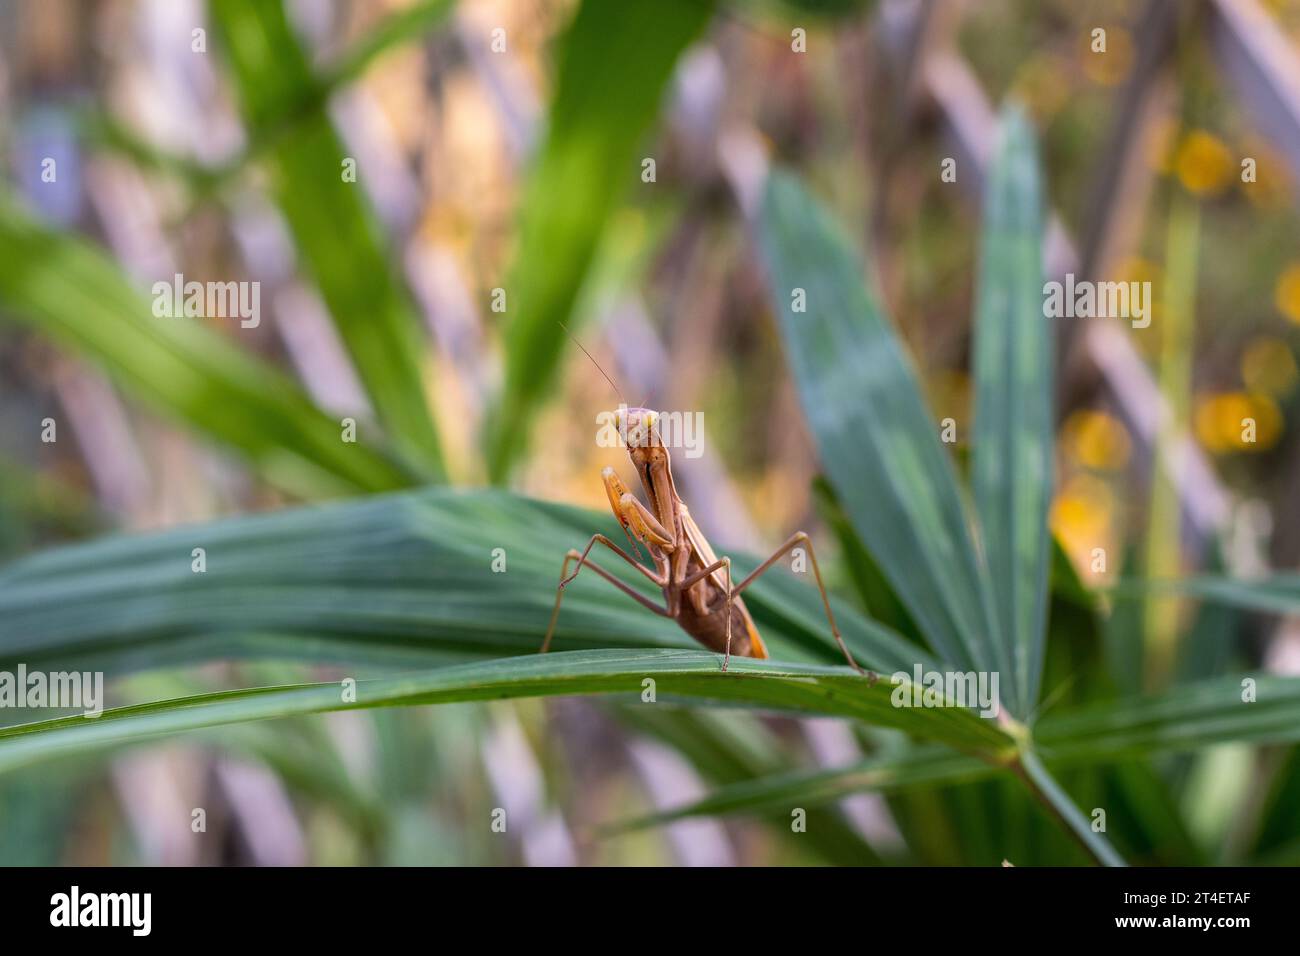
pixel 593 361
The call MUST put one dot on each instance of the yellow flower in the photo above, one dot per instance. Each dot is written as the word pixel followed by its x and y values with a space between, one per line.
pixel 1097 440
pixel 1041 83
pixel 1082 518
pixel 1237 421
pixel 1268 367
pixel 1287 293
pixel 1139 269
pixel 1203 163
pixel 1272 185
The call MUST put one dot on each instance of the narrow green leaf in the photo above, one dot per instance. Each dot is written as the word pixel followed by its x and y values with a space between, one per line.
pixel 728 748
pixel 405 25
pixel 877 596
pixel 1144 817
pixel 615 62
pixel 1013 432
pixel 911 766
pixel 689 675
pixel 1274 594
pixel 1122 634
pixel 1162 545
pixel 334 229
pixel 104 131
pixel 1188 718
pixel 405 579
pixel 67 288
pixel 879 445
pixel 1212 640
pixel 1045 785
pixel 1275 837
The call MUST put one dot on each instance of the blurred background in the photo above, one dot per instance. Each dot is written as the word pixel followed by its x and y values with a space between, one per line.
pixel 212 139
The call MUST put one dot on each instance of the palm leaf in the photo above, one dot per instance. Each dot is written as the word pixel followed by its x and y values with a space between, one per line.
pixel 910 766
pixel 1011 472
pixel 878 444
pixel 1275 838
pixel 1187 718
pixel 880 451
pixel 687 675
pixel 615 61
pixel 334 229
pixel 67 288
pixel 403 579
pixel 1273 594
pixel 204 180
pixel 397 28
pixel 878 598
pixel 725 748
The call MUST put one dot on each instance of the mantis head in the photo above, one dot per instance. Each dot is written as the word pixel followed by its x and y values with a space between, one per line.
pixel 639 427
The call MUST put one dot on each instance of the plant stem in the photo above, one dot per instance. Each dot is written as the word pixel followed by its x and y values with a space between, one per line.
pixel 1058 801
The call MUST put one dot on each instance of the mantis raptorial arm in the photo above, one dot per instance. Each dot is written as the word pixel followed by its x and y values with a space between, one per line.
pixel 638 521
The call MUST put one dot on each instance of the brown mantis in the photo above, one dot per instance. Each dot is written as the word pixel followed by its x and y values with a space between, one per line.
pixel 696 583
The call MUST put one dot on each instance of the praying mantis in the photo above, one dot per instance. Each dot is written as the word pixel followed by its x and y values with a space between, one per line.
pixel 696 584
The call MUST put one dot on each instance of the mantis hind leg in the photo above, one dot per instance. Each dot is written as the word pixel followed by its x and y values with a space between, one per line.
pixel 582 559
pixel 801 537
